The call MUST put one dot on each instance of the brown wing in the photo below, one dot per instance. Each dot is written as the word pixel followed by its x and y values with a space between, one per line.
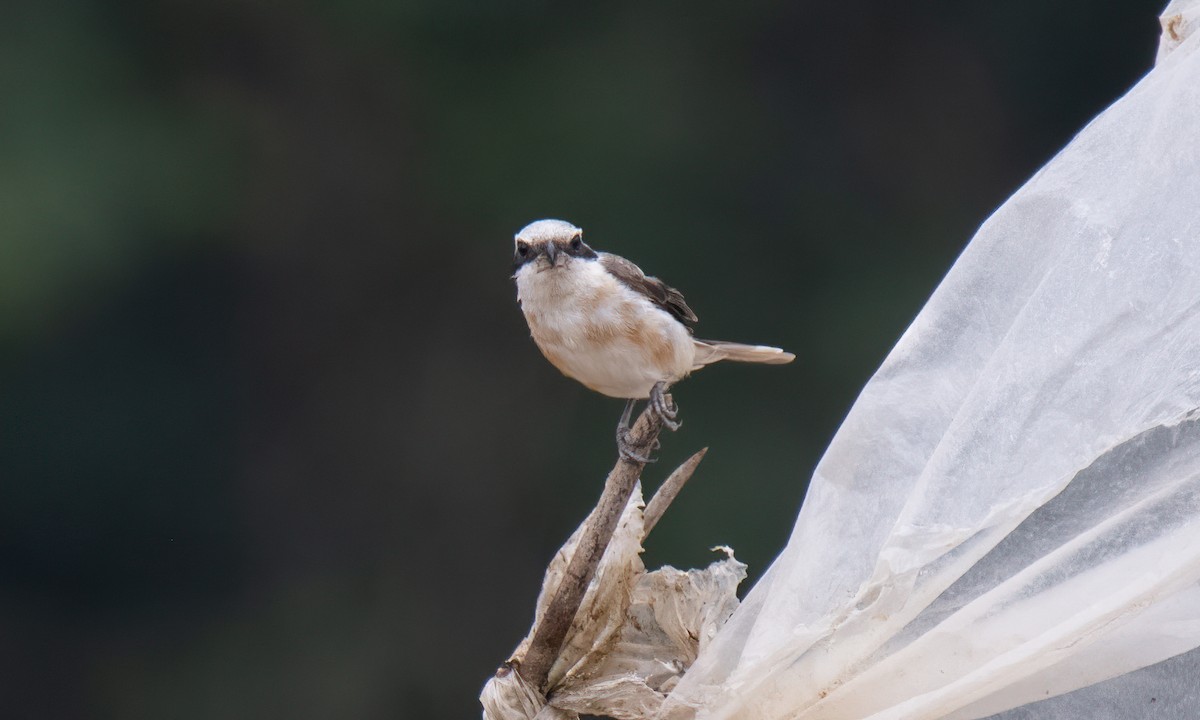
pixel 658 292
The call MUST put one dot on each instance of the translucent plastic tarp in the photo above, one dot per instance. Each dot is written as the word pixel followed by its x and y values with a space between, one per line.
pixel 1011 511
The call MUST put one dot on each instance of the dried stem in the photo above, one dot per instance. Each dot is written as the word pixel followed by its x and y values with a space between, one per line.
pixel 667 492
pixel 550 633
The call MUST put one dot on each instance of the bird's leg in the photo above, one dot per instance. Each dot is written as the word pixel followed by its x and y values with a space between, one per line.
pixel 666 410
pixel 624 449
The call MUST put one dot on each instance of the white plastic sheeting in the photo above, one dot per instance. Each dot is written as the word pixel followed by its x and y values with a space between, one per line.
pixel 1011 510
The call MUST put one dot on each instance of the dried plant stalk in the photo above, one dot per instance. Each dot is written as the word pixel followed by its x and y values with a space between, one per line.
pixel 668 491
pixel 550 633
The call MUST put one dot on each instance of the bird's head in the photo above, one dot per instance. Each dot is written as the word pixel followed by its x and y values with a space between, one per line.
pixel 549 244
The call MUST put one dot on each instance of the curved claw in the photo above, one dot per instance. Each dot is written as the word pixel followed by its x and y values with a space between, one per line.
pixel 666 410
pixel 625 449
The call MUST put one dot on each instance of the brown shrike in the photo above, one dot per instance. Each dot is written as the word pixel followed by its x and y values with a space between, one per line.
pixel 600 320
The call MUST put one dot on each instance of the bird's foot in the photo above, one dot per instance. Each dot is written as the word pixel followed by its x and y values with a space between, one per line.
pixel 666 409
pixel 626 450
pixel 624 447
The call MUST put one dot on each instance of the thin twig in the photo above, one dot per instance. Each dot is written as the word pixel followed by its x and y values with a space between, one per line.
pixel 552 630
pixel 666 492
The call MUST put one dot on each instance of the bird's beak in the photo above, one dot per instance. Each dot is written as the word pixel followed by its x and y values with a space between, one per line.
pixel 552 254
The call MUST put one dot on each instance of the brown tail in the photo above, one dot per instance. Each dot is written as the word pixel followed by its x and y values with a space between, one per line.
pixel 711 351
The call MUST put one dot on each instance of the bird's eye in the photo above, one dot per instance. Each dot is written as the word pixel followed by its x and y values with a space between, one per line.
pixel 576 242
pixel 522 248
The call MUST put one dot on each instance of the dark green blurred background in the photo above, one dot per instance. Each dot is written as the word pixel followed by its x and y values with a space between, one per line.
pixel 275 442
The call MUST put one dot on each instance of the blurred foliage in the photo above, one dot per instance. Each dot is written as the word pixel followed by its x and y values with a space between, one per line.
pixel 275 442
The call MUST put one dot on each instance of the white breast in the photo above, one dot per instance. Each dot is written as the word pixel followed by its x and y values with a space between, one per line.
pixel 598 331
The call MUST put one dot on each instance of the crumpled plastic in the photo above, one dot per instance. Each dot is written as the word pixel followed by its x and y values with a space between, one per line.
pixel 635 635
pixel 1007 524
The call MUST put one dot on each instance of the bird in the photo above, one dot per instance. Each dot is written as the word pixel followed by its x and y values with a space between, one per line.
pixel 602 321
